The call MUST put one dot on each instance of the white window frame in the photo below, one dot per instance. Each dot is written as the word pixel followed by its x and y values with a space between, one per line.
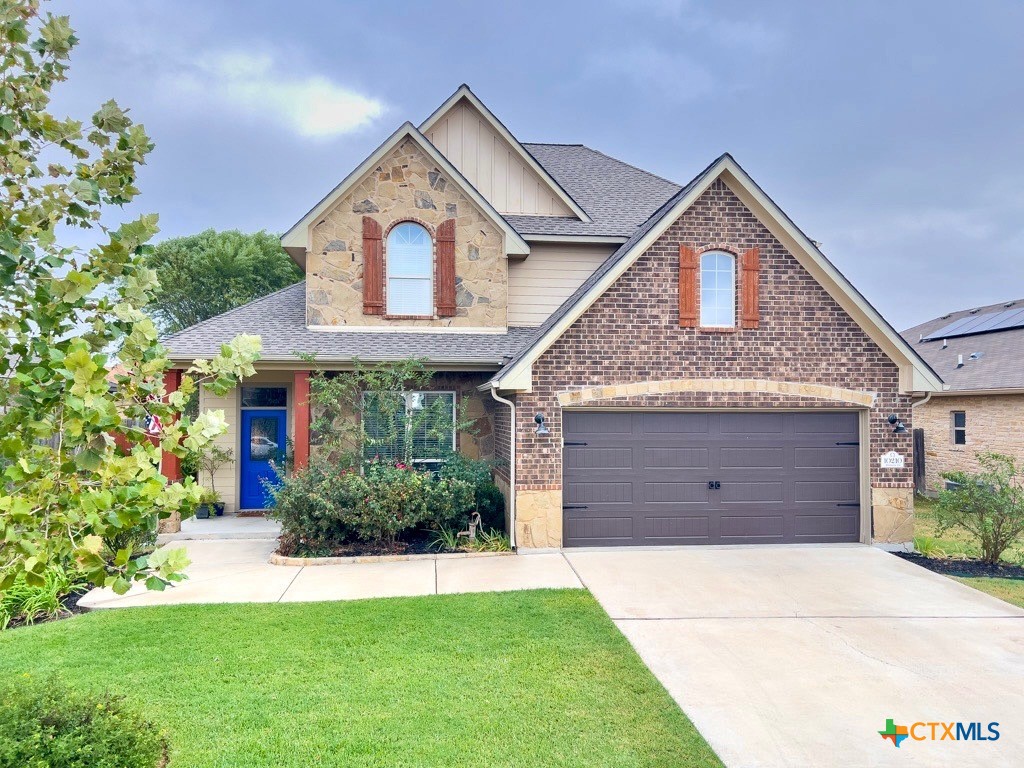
pixel 954 429
pixel 412 393
pixel 717 290
pixel 392 275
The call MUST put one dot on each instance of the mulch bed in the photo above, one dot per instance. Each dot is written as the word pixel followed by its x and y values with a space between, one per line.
pixel 71 608
pixel 964 567
pixel 417 543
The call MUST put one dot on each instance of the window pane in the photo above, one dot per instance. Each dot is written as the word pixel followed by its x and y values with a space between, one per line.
pixel 431 424
pixel 959 419
pixel 959 437
pixel 264 397
pixel 384 427
pixel 404 262
pixel 718 290
pixel 410 296
pixel 262 439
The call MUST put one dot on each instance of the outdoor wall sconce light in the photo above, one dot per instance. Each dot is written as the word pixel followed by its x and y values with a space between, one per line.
pixel 541 428
pixel 898 427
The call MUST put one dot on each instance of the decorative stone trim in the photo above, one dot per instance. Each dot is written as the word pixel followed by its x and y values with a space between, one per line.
pixel 276 559
pixel 590 394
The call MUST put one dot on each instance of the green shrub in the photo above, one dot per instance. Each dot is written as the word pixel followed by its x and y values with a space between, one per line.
pixel 46 725
pixel 488 498
pixel 313 504
pixel 23 603
pixel 989 504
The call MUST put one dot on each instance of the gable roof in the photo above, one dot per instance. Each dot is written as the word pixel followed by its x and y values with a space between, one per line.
pixel 991 361
pixel 915 374
pixel 280 320
pixel 297 239
pixel 619 196
pixel 463 92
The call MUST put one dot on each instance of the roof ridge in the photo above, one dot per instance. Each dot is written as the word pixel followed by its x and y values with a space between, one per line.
pixel 634 167
pixel 232 311
pixel 553 144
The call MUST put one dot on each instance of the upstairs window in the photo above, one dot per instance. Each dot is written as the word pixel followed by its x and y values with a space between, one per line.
pixel 410 271
pixel 959 425
pixel 717 290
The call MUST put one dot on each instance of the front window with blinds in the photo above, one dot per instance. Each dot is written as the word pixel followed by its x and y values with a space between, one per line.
pixel 410 271
pixel 413 427
pixel 959 425
pixel 717 290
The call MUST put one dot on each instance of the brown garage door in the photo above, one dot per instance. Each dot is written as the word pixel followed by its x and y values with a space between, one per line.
pixel 656 477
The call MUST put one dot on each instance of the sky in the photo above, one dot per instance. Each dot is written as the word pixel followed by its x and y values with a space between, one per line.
pixel 888 131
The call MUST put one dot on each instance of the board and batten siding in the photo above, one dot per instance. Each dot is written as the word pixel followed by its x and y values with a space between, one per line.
pixel 492 165
pixel 225 481
pixel 538 284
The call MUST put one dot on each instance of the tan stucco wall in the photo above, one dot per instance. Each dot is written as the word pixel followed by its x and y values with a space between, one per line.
pixel 405 186
pixel 994 423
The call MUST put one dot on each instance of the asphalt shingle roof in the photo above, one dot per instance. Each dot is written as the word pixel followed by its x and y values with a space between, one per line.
pixel 1000 363
pixel 280 320
pixel 618 197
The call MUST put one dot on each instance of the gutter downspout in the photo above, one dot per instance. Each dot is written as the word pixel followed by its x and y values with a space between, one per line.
pixel 511 469
pixel 922 402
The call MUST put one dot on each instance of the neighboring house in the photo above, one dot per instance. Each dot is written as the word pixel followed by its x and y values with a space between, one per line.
pixel 979 353
pixel 704 374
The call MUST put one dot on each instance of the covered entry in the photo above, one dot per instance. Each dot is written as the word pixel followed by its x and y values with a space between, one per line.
pixel 711 477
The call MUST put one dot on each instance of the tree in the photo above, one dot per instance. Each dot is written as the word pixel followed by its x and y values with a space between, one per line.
pixel 989 504
pixel 64 484
pixel 204 275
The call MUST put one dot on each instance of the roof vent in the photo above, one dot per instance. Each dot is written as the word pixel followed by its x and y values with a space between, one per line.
pixel 959 361
pixel 945 343
pixel 976 355
pixel 1009 303
pixel 974 311
pixel 945 317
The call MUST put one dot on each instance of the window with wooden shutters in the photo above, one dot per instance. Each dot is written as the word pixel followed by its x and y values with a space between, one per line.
pixel 373 268
pixel 687 287
pixel 751 288
pixel 445 285
pixel 410 271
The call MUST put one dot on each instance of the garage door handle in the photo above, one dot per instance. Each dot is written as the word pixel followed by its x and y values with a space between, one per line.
pixel 575 506
pixel 569 442
pixel 848 504
pixel 851 442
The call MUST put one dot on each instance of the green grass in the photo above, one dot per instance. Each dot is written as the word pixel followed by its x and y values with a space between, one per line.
pixel 1010 590
pixel 954 542
pixel 537 678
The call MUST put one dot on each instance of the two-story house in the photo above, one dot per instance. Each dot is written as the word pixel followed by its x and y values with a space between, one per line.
pixel 646 363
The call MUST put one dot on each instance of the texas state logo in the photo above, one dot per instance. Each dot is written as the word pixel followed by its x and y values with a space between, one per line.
pixel 938 731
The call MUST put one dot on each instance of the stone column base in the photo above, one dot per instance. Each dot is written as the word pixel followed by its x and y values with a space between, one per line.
pixel 892 511
pixel 538 519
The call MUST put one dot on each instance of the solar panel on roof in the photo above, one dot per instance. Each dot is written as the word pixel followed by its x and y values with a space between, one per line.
pixel 986 323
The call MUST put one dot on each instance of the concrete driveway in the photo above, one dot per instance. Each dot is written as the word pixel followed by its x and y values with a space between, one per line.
pixel 797 656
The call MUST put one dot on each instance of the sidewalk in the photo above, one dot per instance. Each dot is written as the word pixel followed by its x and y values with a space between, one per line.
pixel 238 571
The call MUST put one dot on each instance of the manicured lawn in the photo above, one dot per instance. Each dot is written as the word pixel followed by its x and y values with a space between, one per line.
pixel 1010 590
pixel 537 678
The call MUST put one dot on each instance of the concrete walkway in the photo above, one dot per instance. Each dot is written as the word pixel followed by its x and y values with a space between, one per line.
pixel 238 571
pixel 797 656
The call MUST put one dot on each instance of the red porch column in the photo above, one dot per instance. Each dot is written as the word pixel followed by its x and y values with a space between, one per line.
pixel 300 395
pixel 170 465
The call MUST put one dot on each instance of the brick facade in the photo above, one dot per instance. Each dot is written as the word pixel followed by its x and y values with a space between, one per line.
pixel 994 423
pixel 632 334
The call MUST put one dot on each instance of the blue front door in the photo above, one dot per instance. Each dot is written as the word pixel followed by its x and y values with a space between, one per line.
pixel 263 442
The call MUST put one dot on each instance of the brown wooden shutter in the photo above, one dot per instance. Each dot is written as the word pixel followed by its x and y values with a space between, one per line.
pixel 444 285
pixel 687 287
pixel 373 268
pixel 751 285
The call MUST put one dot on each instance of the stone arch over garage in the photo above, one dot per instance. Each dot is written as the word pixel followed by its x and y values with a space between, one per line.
pixel 672 386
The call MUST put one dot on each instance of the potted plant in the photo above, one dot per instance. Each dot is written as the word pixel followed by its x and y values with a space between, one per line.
pixel 210 460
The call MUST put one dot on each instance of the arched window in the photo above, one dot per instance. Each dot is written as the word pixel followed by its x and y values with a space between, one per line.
pixel 717 290
pixel 410 271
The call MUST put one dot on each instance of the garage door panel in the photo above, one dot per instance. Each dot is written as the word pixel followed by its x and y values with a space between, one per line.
pixel 691 528
pixel 642 477
pixel 675 493
pixel 752 526
pixel 744 457
pixel 745 492
pixel 676 458
pixel 599 458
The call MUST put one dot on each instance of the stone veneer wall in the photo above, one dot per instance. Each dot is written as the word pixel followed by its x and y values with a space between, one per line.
pixel 994 423
pixel 632 334
pixel 406 186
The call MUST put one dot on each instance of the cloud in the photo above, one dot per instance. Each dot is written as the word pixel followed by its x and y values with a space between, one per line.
pixel 313 106
pixel 674 76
